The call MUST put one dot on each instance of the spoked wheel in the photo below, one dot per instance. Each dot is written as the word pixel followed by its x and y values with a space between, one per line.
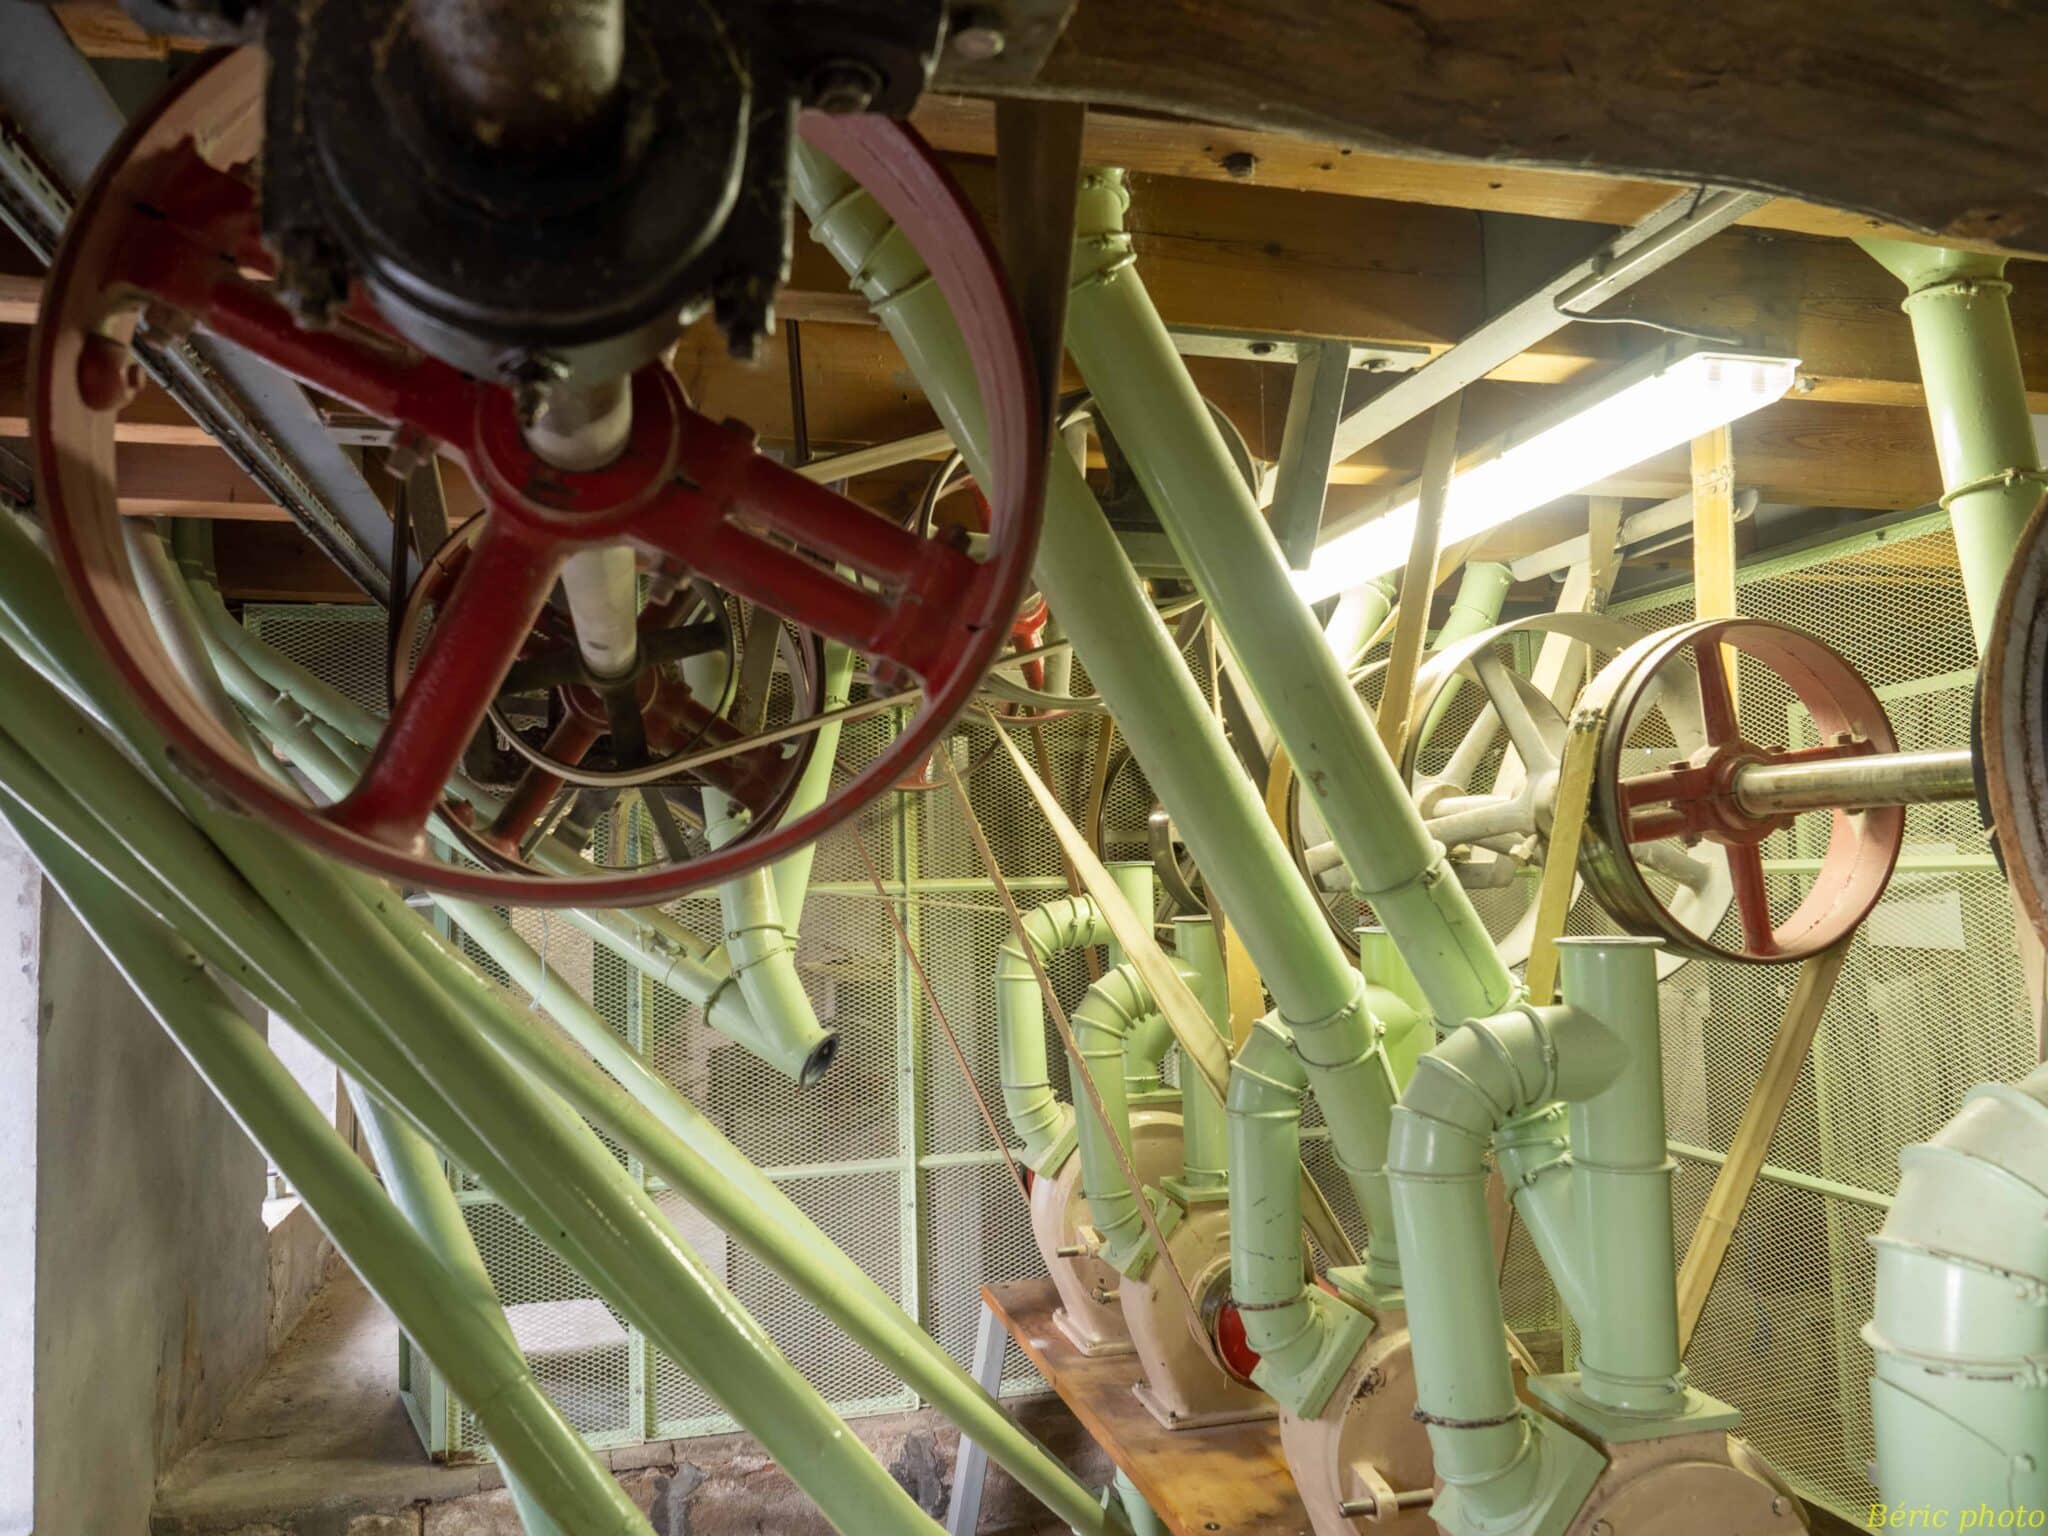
pixel 1697 803
pixel 658 732
pixel 1492 801
pixel 170 226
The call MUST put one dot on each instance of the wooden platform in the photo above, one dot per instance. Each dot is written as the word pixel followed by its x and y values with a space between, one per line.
pixel 1229 1481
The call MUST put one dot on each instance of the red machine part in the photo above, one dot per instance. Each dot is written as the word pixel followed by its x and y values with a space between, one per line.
pixel 163 226
pixel 1232 1347
pixel 1695 800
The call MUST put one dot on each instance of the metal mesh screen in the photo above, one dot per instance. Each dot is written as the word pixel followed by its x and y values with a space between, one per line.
pixel 1929 1003
pixel 891 1156
pixel 888 1153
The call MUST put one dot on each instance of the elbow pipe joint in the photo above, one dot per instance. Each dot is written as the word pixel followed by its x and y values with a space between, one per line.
pixel 1304 1336
pixel 1043 1125
pixel 1102 1024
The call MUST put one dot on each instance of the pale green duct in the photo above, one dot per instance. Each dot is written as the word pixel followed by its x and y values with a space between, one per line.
pixel 531 1151
pixel 1205 1134
pixel 1960 1331
pixel 1602 1223
pixel 1101 1022
pixel 418 1185
pixel 760 948
pixel 1977 404
pixel 1143 387
pixel 734 1192
pixel 457 1323
pixel 1104 608
pixel 1397 1000
pixel 793 873
pixel 1481 591
pixel 1044 1126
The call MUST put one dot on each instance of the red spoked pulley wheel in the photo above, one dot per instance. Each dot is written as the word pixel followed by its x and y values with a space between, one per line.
pixel 169 224
pixel 1639 803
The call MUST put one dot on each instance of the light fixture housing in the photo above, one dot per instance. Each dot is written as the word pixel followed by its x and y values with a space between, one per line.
pixel 1660 400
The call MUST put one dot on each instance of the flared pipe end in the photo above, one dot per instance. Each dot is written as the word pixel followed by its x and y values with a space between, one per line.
pixel 820 1060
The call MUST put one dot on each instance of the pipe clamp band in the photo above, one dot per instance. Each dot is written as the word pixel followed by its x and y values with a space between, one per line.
pixel 1992 482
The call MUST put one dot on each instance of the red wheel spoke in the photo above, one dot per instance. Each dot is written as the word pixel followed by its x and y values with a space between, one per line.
pixel 1752 897
pixel 569 742
pixel 910 627
pixel 839 529
pixel 189 243
pixel 481 626
pixel 380 378
pixel 1717 700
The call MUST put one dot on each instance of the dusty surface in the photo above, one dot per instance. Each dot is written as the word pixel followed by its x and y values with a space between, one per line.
pixel 320 1446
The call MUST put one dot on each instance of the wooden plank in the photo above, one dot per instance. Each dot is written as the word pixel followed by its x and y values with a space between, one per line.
pixel 1167 146
pixel 1704 93
pixel 1228 1481
pixel 1418 581
pixel 1732 1185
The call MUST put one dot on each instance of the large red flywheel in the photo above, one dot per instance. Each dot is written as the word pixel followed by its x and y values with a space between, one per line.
pixel 170 224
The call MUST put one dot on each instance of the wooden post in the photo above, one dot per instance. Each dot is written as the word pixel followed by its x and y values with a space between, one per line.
pixel 1774 1085
pixel 1713 535
pixel 1418 583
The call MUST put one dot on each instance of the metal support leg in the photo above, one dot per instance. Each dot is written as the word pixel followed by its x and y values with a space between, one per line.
pixel 970 1465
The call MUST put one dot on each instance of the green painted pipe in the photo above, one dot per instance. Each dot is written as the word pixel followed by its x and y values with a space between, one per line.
pixel 1977 403
pixel 1205 1130
pixel 1088 580
pixel 1397 1001
pixel 793 874
pixel 760 949
pixel 662 1126
pixel 1481 591
pixel 1143 387
pixel 1138 883
pixel 1263 1106
pixel 419 1187
pixel 1960 1331
pixel 644 1113
pixel 1043 1124
pixel 561 1483
pixel 1357 618
pixel 1504 1468
pixel 1143 1521
pixel 1101 1021
pixel 1145 1055
pixel 561 1178
pixel 1622 1169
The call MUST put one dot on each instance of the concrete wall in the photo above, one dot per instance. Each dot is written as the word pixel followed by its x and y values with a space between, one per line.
pixel 151 1265
pixel 21 910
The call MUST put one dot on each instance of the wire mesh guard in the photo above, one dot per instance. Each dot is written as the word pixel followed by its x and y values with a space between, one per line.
pixel 889 1154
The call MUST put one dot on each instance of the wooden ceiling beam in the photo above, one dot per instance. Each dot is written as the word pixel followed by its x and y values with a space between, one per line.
pixel 1274 259
pixel 1166 146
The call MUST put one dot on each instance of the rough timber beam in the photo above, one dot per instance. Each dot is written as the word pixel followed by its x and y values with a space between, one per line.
pixel 1166 146
pixel 1928 116
pixel 1262 258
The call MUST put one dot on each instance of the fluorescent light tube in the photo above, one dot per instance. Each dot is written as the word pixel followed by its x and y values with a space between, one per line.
pixel 1647 407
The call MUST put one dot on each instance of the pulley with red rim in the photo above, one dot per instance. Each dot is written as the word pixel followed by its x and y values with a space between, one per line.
pixel 167 223
pixel 1694 800
pixel 2012 726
